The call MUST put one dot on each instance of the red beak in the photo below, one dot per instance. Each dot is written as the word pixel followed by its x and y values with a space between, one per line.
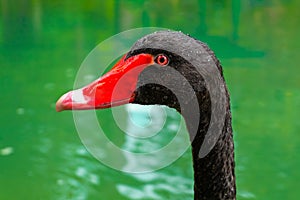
pixel 115 88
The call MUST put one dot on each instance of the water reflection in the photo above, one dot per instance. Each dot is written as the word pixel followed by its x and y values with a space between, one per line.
pixel 77 179
pixel 6 151
pixel 145 121
pixel 156 184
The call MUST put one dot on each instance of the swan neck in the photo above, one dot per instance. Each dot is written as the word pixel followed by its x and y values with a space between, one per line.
pixel 214 176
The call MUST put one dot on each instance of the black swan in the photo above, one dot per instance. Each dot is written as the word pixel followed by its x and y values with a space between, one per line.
pixel 173 69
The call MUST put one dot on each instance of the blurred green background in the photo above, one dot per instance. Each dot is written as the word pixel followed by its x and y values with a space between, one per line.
pixel 42 44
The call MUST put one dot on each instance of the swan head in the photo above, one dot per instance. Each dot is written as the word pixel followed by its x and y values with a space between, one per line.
pixel 159 69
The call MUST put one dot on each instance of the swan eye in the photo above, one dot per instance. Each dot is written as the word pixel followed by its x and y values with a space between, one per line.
pixel 162 59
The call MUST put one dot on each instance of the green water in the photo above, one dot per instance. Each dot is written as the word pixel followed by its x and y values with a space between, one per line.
pixel 43 43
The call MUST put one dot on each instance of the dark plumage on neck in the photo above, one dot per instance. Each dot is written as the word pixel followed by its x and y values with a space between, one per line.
pixel 214 173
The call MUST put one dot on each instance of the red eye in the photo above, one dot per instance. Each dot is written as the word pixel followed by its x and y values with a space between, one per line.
pixel 162 59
